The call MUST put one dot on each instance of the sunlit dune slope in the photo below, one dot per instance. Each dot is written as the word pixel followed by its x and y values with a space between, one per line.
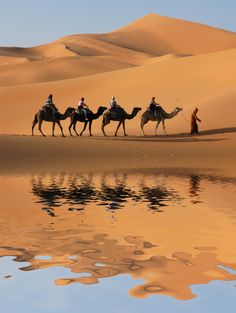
pixel 160 35
pixel 69 57
pixel 206 81
pixel 138 43
pixel 57 69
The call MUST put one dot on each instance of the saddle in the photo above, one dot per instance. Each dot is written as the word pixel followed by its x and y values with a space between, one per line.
pixel 81 111
pixel 48 111
pixel 115 111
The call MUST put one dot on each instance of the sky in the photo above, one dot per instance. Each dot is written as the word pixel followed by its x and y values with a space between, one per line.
pixel 27 23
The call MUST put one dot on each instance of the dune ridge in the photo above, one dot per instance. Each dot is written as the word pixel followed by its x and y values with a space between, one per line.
pixel 125 46
pixel 182 63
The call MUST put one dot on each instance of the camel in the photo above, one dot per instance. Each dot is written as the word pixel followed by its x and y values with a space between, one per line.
pixel 75 117
pixel 119 115
pixel 159 117
pixel 47 117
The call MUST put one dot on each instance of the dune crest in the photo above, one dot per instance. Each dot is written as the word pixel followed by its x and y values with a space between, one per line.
pixel 170 35
pixel 82 55
pixel 183 63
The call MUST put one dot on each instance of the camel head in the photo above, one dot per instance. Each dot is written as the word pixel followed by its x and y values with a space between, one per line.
pixel 101 109
pixel 69 111
pixel 136 110
pixel 178 109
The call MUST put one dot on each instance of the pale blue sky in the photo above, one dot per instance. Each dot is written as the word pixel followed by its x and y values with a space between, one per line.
pixel 32 22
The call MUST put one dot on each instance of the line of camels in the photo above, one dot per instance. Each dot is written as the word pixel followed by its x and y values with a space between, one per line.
pixel 107 116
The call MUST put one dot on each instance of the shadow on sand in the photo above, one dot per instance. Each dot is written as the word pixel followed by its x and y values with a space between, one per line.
pixel 182 137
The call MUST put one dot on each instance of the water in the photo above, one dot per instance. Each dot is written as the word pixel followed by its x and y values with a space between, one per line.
pixel 121 242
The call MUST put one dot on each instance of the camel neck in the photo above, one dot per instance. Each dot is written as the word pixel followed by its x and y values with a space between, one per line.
pixel 171 114
pixel 131 116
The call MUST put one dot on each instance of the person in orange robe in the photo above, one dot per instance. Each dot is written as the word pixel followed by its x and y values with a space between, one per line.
pixel 194 119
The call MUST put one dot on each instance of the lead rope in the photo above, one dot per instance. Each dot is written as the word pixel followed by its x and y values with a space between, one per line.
pixel 185 117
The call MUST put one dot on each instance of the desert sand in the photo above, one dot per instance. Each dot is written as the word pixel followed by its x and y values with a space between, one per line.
pixel 211 151
pixel 181 63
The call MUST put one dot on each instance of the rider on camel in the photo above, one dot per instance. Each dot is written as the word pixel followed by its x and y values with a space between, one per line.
pixel 113 105
pixel 82 108
pixel 49 103
pixel 154 107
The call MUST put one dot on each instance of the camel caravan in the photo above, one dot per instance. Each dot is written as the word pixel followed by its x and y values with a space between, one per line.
pixel 49 113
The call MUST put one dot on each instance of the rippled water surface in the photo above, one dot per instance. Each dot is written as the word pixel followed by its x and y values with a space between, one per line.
pixel 118 242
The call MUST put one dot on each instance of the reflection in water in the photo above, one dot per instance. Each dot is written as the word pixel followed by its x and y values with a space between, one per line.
pixel 104 226
pixel 195 188
pixel 80 191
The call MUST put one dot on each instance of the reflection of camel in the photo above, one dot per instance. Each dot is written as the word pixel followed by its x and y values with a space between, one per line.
pixel 120 116
pixel 139 244
pixel 50 194
pixel 159 117
pixel 156 197
pixel 55 194
pixel 48 117
pixel 115 195
pixel 79 190
pixel 80 193
pixel 77 117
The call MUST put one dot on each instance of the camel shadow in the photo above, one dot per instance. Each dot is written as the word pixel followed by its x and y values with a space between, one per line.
pixel 183 137
pixel 217 131
pixel 167 139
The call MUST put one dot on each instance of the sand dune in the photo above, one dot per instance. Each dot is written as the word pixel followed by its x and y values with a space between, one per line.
pixel 57 69
pixel 207 81
pixel 67 57
pixel 64 59
pixel 37 53
pixel 169 35
pixel 122 64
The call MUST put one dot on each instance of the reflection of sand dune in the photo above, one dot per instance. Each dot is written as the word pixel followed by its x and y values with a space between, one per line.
pixel 92 260
pixel 170 250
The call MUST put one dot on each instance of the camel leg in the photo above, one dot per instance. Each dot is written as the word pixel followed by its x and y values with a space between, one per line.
pixel 33 125
pixel 158 123
pixel 123 123
pixel 70 128
pixel 120 122
pixel 143 122
pixel 53 128
pixel 74 128
pixel 40 127
pixel 164 128
pixel 85 125
pixel 59 124
pixel 104 123
pixel 90 128
pixel 103 130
